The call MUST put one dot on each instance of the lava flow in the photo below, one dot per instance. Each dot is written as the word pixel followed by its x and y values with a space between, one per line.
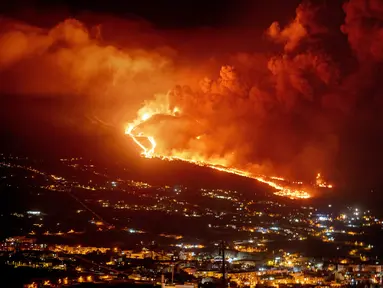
pixel 149 152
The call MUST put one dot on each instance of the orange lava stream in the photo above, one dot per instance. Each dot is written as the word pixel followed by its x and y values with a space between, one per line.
pixel 149 152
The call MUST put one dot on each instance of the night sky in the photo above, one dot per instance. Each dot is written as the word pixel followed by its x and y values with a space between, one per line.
pixel 174 14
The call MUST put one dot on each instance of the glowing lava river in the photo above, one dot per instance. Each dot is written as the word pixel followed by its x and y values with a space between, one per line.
pixel 282 187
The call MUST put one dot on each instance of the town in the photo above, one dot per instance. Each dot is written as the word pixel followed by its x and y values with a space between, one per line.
pixel 105 227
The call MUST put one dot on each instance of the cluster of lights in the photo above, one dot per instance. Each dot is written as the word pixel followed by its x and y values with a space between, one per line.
pixel 190 246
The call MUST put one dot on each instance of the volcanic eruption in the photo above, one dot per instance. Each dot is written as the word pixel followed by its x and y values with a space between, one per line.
pixel 284 103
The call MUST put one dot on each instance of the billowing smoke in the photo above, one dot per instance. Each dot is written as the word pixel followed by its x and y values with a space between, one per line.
pixel 71 59
pixel 363 26
pixel 291 113
pixel 271 117
pixel 299 29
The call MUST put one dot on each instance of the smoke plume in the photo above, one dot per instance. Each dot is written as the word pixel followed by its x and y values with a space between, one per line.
pixel 291 113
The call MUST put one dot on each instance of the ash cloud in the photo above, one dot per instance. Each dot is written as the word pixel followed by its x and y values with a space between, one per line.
pixel 272 116
pixel 72 60
pixel 363 27
pixel 293 110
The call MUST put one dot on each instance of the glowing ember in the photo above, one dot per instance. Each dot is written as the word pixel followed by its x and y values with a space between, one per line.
pixel 149 152
pixel 320 182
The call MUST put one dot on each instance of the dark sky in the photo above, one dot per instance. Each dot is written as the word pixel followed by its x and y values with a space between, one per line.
pixel 174 13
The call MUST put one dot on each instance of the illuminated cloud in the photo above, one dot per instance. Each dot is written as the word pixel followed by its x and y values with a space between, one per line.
pixel 284 112
pixel 363 28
